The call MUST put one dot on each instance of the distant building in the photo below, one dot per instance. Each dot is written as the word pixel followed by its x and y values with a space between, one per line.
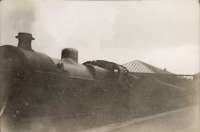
pixel 142 69
pixel 138 66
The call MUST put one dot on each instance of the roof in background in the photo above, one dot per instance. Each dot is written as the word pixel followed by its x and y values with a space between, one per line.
pixel 142 67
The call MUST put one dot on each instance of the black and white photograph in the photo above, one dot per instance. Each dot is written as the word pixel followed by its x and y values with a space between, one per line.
pixel 99 66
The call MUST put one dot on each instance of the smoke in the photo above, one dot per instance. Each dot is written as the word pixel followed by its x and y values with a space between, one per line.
pixel 22 15
pixel 16 16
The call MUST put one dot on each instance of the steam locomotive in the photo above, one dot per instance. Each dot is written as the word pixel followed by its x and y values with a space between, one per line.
pixel 35 87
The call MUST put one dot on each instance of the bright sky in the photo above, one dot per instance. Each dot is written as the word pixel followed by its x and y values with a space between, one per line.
pixel 164 33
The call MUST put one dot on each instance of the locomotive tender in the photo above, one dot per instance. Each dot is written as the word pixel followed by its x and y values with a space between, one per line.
pixel 35 86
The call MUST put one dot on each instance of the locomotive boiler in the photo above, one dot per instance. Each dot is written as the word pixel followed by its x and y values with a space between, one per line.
pixel 37 88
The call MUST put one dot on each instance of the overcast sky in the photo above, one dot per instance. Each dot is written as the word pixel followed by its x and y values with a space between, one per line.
pixel 163 33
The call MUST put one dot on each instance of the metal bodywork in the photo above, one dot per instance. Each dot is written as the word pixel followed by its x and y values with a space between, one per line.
pixel 33 87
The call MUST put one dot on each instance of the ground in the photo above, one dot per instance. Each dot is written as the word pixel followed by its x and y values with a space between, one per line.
pixel 182 120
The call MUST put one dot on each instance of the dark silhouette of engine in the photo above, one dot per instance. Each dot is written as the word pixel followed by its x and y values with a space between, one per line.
pixel 35 86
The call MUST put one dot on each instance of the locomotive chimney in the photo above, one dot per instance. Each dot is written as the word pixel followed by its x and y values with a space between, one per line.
pixel 24 40
pixel 70 53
